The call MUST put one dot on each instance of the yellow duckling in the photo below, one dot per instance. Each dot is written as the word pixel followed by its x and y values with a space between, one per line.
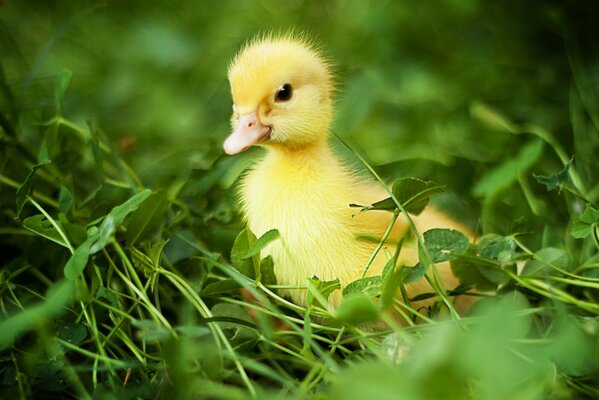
pixel 282 94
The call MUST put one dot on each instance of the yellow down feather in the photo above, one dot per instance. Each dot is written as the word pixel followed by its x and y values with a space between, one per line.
pixel 300 187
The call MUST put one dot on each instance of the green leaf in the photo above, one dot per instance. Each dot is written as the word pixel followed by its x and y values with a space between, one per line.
pixel 267 271
pixel 262 242
pixel 72 332
pixel 183 244
pixel 325 288
pixel 43 154
pixel 409 275
pixel 491 118
pixel 443 244
pixel 236 331
pixel 389 267
pixel 477 273
pixel 391 283
pixel 155 251
pixel 146 220
pixel 357 309
pixel 108 295
pixel 50 376
pixel 580 230
pixel 59 295
pixel 590 215
pixel 548 255
pixel 116 217
pixel 65 200
pixel 41 226
pixel 370 286
pixel 219 287
pixel 556 181
pixel 412 193
pixel 496 247
pixel 61 87
pixel 78 261
pixel 504 175
pixel 25 189
pixel 584 224
pixel 244 240
pixel 76 233
pixel 571 345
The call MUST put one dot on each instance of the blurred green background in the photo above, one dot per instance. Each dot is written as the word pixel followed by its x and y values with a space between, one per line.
pixel 152 75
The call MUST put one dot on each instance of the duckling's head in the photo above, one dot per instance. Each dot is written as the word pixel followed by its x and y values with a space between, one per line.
pixel 281 88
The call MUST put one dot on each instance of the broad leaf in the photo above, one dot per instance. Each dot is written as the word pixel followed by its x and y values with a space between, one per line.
pixel 99 237
pixel 477 273
pixel 236 331
pixel 244 240
pixel 549 255
pixel 325 288
pixel 72 332
pixel 262 242
pixel 357 309
pixel 370 286
pixel 391 283
pixel 78 261
pixel 41 226
pixel 443 244
pixel 495 247
pixel 409 275
pixel 584 224
pixel 412 193
pixel 220 287
pixel 65 200
pixel 146 220
pixel 116 217
pixel 556 181
pixel 267 271
pixel 389 267
pixel 505 174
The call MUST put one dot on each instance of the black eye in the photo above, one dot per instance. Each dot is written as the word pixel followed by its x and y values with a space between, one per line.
pixel 284 93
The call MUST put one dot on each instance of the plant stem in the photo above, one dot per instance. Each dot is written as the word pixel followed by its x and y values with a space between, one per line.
pixel 381 243
pixel 434 283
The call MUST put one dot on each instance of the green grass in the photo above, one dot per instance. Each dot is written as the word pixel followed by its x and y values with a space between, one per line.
pixel 122 253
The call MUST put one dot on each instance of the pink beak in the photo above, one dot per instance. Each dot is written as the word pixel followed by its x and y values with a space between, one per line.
pixel 248 132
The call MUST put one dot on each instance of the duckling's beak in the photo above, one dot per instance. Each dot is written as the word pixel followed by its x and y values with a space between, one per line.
pixel 248 132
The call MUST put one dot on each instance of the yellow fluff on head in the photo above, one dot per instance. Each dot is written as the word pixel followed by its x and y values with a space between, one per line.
pixel 282 93
pixel 266 63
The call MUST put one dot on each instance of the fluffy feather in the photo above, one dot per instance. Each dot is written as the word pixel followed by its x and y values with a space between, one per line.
pixel 300 187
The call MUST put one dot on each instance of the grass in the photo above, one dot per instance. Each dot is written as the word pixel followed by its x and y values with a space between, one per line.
pixel 123 259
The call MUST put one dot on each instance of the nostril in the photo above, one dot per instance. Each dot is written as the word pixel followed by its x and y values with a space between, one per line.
pixel 251 123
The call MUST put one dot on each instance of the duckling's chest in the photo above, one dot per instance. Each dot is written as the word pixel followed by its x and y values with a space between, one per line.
pixel 300 199
pixel 309 206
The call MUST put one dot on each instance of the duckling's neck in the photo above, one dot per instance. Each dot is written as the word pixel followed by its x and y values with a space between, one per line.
pixel 311 154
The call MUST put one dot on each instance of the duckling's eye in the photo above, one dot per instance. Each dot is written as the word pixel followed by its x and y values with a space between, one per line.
pixel 284 93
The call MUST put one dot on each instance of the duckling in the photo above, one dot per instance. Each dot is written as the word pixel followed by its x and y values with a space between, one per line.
pixel 282 91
